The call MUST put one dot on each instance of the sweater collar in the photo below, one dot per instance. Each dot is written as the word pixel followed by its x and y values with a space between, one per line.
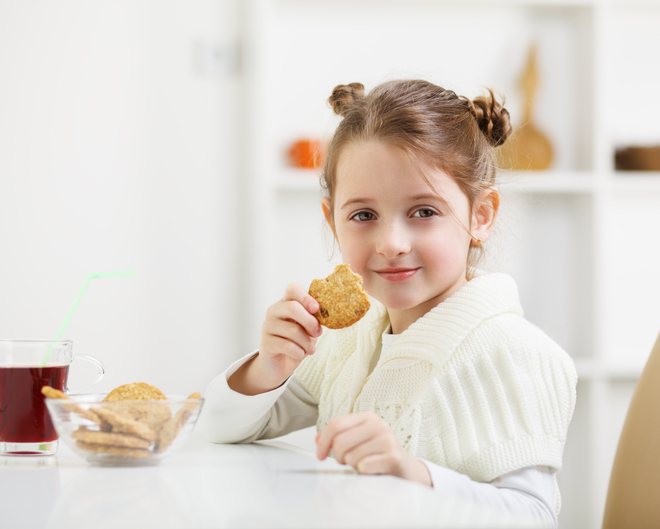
pixel 436 335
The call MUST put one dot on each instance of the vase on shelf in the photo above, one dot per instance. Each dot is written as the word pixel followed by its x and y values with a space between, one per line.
pixel 528 148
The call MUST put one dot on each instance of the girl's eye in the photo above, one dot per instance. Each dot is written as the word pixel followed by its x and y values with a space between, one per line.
pixel 363 216
pixel 424 213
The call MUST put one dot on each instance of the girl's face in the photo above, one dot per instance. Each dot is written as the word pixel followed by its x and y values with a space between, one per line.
pixel 399 234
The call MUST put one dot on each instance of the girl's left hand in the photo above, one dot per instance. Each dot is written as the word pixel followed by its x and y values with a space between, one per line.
pixel 367 443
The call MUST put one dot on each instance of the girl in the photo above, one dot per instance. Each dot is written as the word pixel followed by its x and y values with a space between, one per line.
pixel 443 381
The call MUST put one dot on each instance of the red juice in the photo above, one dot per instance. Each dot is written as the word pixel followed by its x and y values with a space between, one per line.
pixel 24 416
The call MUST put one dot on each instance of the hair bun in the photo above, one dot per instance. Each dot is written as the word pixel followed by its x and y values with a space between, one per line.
pixel 344 95
pixel 493 119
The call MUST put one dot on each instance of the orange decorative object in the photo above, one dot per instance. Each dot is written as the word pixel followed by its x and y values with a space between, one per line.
pixel 307 154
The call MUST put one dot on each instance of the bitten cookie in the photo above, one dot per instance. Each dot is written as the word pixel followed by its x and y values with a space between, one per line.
pixel 341 298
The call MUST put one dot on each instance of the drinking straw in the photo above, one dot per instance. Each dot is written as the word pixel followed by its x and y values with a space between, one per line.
pixel 76 302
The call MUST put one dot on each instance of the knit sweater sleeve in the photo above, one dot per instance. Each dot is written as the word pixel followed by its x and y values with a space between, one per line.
pixel 313 370
pixel 509 408
pixel 231 417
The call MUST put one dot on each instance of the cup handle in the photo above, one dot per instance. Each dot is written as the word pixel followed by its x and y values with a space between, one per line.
pixel 99 367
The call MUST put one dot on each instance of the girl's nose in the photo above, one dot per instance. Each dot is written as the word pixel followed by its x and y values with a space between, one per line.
pixel 393 241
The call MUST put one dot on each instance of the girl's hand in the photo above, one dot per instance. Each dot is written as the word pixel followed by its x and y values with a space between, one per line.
pixel 288 334
pixel 367 443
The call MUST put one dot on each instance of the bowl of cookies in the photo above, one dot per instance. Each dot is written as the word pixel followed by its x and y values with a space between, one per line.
pixel 133 425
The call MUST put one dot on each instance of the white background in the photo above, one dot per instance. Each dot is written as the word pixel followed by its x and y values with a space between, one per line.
pixel 118 152
pixel 124 145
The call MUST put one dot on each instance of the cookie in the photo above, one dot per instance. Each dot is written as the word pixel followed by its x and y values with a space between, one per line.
pixel 153 414
pixel 120 423
pixel 135 391
pixel 341 298
pixel 174 426
pixel 171 429
pixel 107 438
pixel 136 453
pixel 52 393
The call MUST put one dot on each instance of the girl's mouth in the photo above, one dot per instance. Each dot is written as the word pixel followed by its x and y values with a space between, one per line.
pixel 397 274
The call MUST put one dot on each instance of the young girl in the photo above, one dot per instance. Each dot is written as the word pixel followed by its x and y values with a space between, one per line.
pixel 443 381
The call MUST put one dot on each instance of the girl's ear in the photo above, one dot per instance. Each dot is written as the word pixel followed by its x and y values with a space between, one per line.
pixel 327 213
pixel 484 214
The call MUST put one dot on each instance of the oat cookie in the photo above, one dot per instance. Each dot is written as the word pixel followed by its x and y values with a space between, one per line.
pixel 123 424
pixel 135 391
pixel 341 298
pixel 171 429
pixel 52 393
pixel 152 413
pixel 107 438
pixel 174 426
pixel 137 453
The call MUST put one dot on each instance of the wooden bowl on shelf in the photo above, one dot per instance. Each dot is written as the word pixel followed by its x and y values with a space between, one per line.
pixel 637 159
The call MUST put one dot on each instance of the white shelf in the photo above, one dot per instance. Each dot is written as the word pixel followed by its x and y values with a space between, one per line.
pixel 590 370
pixel 635 182
pixel 570 4
pixel 542 182
pixel 470 3
pixel 292 179
pixel 561 182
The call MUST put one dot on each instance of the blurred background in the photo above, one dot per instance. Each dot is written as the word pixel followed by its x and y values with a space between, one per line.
pixel 156 136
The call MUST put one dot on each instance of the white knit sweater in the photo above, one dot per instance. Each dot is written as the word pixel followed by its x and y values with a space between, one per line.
pixel 471 385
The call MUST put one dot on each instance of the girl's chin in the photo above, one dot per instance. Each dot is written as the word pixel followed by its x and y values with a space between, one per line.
pixel 399 303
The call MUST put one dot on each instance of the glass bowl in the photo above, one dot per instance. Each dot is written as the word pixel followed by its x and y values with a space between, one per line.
pixel 123 432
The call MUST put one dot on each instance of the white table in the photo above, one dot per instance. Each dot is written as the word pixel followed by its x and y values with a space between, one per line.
pixel 270 484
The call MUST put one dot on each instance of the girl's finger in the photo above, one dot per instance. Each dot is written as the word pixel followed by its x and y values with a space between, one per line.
pixel 374 445
pixel 294 311
pixel 295 292
pixel 335 426
pixel 274 345
pixel 378 463
pixel 293 332
pixel 351 440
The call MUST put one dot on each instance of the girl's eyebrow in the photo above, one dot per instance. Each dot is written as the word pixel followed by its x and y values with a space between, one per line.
pixel 352 201
pixel 430 196
pixel 414 198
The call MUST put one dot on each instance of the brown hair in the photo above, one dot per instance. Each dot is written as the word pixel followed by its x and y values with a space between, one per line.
pixel 435 126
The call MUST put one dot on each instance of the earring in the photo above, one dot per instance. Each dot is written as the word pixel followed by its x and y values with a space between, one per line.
pixel 475 242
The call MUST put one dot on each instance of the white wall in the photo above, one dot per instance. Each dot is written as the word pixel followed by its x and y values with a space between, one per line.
pixel 116 153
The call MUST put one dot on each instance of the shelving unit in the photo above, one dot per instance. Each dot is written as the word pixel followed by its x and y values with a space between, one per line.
pixel 579 239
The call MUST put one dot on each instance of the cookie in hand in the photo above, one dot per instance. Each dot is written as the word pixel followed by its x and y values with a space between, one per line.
pixel 341 298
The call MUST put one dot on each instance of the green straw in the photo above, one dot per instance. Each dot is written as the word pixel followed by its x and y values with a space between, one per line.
pixel 76 302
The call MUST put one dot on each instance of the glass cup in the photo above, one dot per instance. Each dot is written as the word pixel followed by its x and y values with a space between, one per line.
pixel 25 425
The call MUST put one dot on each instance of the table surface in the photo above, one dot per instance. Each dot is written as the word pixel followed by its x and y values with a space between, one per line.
pixel 270 484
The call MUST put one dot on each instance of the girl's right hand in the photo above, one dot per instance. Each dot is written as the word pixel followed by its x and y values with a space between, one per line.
pixel 288 334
